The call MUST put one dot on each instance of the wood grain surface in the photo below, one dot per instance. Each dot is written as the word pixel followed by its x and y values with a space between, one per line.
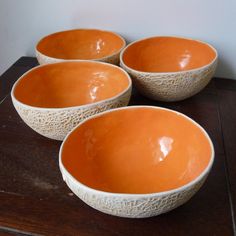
pixel 34 200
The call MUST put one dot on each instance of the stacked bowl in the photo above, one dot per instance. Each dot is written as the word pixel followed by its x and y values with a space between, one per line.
pixel 126 161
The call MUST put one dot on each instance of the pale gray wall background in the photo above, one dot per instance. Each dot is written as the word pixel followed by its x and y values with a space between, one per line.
pixel 24 22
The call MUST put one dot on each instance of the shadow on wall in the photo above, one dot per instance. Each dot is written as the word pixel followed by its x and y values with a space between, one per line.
pixel 224 69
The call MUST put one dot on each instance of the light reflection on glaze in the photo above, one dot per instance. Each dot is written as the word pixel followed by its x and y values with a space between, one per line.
pixel 96 84
pixel 165 146
pixel 185 59
pixel 161 148
pixel 93 93
pixel 99 46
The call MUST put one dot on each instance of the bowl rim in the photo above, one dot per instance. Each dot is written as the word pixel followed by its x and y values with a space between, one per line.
pixel 123 65
pixel 203 174
pixel 129 87
pixel 78 29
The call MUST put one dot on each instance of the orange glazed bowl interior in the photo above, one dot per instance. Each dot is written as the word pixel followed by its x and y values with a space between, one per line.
pixel 137 150
pixel 69 84
pixel 83 44
pixel 167 54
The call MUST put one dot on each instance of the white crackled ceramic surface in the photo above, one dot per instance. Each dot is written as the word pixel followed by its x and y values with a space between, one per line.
pixel 43 59
pixel 128 205
pixel 57 123
pixel 173 86
pixel 133 205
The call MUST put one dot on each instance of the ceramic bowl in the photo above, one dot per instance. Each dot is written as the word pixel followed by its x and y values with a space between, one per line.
pixel 80 44
pixel 52 99
pixel 169 68
pixel 136 161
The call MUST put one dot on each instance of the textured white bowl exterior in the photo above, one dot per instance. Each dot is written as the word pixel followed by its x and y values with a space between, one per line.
pixel 173 86
pixel 135 205
pixel 43 59
pixel 56 123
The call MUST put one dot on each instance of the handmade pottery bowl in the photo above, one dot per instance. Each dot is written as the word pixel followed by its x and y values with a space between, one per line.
pixel 136 161
pixel 80 44
pixel 169 68
pixel 52 99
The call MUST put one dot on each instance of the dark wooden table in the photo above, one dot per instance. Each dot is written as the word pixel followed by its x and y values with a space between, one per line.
pixel 35 201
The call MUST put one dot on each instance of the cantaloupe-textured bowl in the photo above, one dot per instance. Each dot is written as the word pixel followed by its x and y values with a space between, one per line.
pixel 80 44
pixel 52 99
pixel 136 161
pixel 169 68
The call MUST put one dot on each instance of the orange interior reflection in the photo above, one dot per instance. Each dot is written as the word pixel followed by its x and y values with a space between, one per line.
pixel 70 84
pixel 137 150
pixel 168 54
pixel 80 44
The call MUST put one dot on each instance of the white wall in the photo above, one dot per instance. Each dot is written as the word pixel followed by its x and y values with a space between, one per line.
pixel 24 22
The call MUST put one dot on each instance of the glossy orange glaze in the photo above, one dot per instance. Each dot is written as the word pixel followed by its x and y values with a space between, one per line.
pixel 138 150
pixel 167 54
pixel 70 84
pixel 80 44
